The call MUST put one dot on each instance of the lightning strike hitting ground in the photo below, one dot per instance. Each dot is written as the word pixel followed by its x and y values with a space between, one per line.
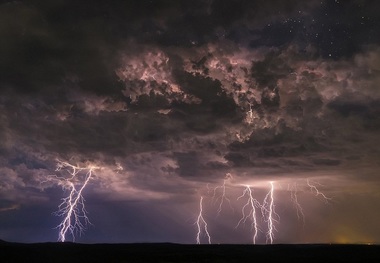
pixel 72 208
pixel 267 207
pixel 250 206
pixel 201 223
pixel 269 213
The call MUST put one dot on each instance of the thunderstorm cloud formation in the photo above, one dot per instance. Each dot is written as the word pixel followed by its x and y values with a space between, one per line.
pixel 175 102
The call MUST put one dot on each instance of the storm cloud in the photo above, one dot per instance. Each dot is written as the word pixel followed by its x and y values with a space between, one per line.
pixel 170 96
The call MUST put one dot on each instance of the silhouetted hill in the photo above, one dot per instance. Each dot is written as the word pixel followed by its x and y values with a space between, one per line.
pixel 166 252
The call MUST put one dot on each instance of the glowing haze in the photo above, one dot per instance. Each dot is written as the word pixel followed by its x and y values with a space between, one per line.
pixel 190 121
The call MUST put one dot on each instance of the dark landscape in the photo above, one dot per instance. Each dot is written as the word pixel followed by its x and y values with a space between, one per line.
pixel 168 252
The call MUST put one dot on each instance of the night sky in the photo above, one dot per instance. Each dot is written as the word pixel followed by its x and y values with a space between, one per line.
pixel 168 101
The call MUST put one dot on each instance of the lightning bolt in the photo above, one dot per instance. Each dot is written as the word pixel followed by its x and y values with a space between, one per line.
pixel 314 189
pixel 201 223
pixel 222 197
pixel 72 208
pixel 294 198
pixel 250 205
pixel 269 213
pixel 249 209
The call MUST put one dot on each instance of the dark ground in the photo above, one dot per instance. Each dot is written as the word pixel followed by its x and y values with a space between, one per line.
pixel 165 252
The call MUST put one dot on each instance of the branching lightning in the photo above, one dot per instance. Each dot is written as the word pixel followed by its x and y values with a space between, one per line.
pixel 293 188
pixel 72 208
pixel 314 189
pixel 251 204
pixel 201 223
pixel 222 197
pixel 250 207
pixel 269 213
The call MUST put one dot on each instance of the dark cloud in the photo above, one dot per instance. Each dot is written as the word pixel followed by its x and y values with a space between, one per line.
pixel 268 71
pixel 188 163
pixel 367 110
pixel 331 162
pixel 41 50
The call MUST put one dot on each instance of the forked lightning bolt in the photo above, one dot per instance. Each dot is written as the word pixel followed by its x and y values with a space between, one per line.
pixel 267 207
pixel 72 208
pixel 315 190
pixel 293 188
pixel 269 213
pixel 250 206
pixel 201 223
pixel 222 197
